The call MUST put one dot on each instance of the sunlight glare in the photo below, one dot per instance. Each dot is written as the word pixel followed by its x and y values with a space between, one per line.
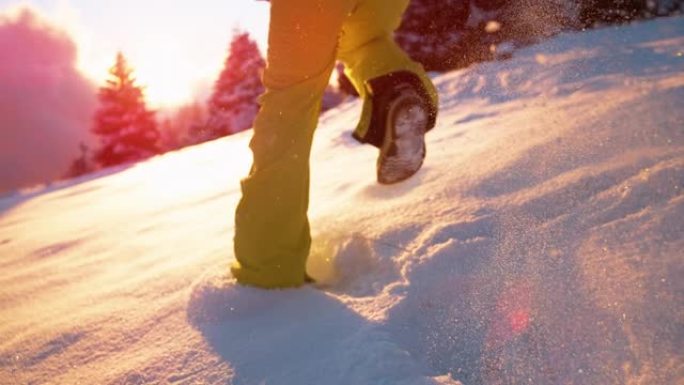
pixel 167 75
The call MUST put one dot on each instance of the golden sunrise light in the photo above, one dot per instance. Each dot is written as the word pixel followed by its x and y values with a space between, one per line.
pixel 176 50
pixel 168 76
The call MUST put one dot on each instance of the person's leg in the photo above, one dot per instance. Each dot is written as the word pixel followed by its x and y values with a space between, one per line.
pixel 368 51
pixel 272 237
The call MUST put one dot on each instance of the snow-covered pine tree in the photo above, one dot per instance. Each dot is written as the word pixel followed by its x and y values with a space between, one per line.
pixel 233 104
pixel 603 11
pixel 178 127
pixel 126 128
pixel 431 31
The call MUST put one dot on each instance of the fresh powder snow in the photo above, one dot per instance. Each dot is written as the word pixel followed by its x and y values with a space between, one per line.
pixel 541 243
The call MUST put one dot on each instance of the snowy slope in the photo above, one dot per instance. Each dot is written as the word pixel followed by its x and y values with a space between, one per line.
pixel 542 243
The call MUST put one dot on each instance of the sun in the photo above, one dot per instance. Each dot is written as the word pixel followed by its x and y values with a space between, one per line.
pixel 177 50
pixel 167 75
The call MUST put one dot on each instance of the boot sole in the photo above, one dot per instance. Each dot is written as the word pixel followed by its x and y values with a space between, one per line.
pixel 403 150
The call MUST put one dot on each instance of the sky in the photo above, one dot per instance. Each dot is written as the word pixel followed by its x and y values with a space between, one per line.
pixel 176 47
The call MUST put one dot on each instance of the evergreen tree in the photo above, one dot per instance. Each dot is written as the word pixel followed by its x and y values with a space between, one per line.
pixel 178 128
pixel 233 104
pixel 448 34
pixel 127 130
pixel 431 31
pixel 619 11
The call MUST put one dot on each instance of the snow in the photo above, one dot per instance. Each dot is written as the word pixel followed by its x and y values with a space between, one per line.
pixel 541 243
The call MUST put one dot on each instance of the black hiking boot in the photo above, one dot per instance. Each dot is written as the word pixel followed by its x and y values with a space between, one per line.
pixel 402 114
pixel 403 149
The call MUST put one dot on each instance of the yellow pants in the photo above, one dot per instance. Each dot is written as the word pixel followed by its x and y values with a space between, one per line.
pixel 306 37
